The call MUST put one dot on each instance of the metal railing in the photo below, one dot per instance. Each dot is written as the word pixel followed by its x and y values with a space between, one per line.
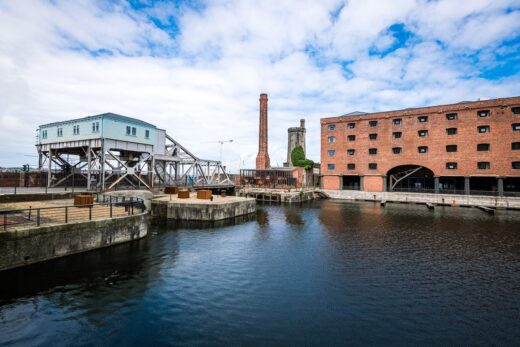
pixel 108 207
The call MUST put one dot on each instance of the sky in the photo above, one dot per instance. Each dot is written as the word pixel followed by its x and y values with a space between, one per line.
pixel 197 68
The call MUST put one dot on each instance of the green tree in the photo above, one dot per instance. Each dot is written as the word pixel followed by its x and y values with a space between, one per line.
pixel 298 158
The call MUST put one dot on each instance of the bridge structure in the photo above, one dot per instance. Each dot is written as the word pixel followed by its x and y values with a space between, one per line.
pixel 105 151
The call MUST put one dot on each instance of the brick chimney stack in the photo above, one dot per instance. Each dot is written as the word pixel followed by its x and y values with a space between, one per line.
pixel 262 159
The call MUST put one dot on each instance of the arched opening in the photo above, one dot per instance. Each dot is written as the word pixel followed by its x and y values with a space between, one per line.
pixel 410 178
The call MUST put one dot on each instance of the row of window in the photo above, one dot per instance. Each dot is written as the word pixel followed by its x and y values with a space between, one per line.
pixel 423 133
pixel 95 129
pixel 481 165
pixel 481 147
pixel 423 119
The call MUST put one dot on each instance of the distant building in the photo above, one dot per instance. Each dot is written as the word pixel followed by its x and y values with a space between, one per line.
pixel 262 159
pixel 464 148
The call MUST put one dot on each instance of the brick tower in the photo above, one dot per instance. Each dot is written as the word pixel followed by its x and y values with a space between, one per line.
pixel 262 159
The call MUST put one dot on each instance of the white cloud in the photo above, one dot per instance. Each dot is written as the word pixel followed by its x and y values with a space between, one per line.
pixel 203 84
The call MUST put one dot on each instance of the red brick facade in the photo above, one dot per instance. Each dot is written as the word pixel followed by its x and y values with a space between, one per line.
pixel 376 131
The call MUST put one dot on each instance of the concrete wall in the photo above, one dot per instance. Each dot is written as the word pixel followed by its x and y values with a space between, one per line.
pixel 7 198
pixel 19 247
pixel 202 212
pixel 449 199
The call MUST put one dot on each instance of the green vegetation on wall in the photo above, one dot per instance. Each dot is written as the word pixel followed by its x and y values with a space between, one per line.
pixel 298 158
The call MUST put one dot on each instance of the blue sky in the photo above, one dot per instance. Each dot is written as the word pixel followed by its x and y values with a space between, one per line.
pixel 196 68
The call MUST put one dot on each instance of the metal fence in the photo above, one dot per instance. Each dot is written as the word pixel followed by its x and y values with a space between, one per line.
pixel 108 207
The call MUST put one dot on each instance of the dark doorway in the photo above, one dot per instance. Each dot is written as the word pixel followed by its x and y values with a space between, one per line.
pixel 451 185
pixel 483 186
pixel 410 178
pixel 351 182
pixel 512 186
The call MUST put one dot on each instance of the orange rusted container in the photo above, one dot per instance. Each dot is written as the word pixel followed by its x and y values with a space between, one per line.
pixel 83 200
pixel 204 194
pixel 171 190
pixel 183 194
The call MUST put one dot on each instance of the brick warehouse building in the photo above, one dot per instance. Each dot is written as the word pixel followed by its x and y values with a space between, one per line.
pixel 463 148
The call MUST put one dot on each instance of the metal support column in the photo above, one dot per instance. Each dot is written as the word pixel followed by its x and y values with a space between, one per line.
pixel 49 168
pixel 466 186
pixel 103 158
pixel 89 165
pixel 436 184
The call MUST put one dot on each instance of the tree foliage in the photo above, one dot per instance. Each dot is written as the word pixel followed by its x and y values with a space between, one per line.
pixel 298 158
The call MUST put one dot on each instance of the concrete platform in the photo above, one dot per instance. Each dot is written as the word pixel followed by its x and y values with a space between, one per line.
pixel 278 195
pixel 201 210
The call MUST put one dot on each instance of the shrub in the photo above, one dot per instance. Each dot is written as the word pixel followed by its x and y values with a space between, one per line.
pixel 298 158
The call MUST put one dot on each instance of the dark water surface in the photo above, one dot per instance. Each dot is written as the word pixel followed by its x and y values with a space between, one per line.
pixel 328 273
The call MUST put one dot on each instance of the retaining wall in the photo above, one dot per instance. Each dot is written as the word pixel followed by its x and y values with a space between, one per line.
pixel 24 246
pixel 448 199
pixel 200 211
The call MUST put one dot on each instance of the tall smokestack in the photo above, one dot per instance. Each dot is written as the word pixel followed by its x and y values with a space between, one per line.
pixel 262 159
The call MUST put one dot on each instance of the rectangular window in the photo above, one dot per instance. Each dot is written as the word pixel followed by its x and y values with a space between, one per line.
pixel 515 145
pixel 396 150
pixel 483 165
pixel 332 127
pixel 372 136
pixel 331 166
pixel 515 110
pixel 128 130
pixel 451 166
pixel 451 116
pixel 372 123
pixel 483 113
pixel 331 152
pixel 397 121
pixel 351 166
pixel 331 139
pixel 44 134
pixel 60 132
pixel 372 151
pixel 351 151
pixel 483 129
pixel 351 125
pixel 423 119
pixel 397 135
pixel 351 137
pixel 147 134
pixel 481 147
pixel 134 131
pixel 422 149
pixel 516 165
pixel 372 166
pixel 75 130
pixel 451 131
pixel 516 126
pixel 451 148
pixel 423 133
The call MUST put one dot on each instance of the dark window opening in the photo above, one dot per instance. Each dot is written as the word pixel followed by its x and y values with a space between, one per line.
pixel 332 127
pixel 483 165
pixel 516 126
pixel 397 121
pixel 515 145
pixel 372 166
pixel 422 149
pixel 351 151
pixel 451 131
pixel 451 148
pixel 351 182
pixel 483 147
pixel 483 129
pixel 451 116
pixel 516 165
pixel 331 166
pixel 423 119
pixel 397 135
pixel 351 166
pixel 351 125
pixel 372 123
pixel 372 136
pixel 483 113
pixel 515 110
pixel 372 151
pixel 396 150
pixel 451 166
pixel 351 137
pixel 423 133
